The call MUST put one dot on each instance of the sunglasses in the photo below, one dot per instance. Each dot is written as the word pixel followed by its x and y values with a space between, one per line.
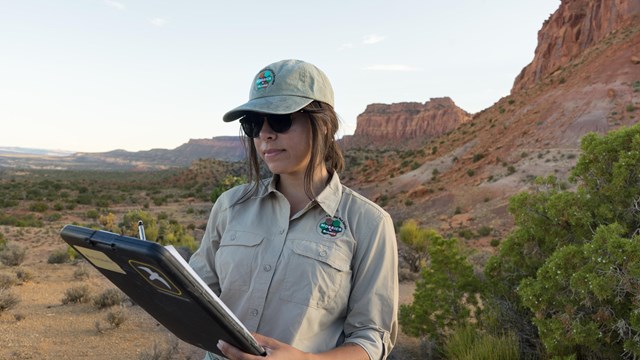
pixel 252 123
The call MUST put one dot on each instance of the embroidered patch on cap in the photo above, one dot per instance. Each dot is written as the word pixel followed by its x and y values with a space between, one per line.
pixel 331 226
pixel 264 79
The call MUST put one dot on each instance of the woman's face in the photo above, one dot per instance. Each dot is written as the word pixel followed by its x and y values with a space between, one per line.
pixel 286 153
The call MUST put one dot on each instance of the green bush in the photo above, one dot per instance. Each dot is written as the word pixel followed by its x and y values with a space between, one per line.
pixel 444 295
pixel 569 263
pixel 466 234
pixel 471 343
pixel 485 230
pixel 39 207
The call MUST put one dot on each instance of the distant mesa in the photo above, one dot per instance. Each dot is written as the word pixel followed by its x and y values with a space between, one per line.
pixel 382 124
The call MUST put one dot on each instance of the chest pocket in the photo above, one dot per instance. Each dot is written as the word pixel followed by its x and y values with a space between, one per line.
pixel 318 275
pixel 236 259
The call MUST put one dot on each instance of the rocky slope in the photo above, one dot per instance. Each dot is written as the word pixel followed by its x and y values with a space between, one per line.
pixel 573 29
pixel 535 131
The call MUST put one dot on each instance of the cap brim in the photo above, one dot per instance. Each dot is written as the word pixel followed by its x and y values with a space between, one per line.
pixel 268 105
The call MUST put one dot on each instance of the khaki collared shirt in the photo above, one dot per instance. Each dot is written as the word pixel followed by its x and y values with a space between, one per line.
pixel 322 277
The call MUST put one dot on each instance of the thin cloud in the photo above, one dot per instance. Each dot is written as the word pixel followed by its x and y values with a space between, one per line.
pixel 373 39
pixel 393 67
pixel 114 4
pixel 159 22
pixel 345 46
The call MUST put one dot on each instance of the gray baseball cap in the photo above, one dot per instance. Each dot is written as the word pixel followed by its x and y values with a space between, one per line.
pixel 284 87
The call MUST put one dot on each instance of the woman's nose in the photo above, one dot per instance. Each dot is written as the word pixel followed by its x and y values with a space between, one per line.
pixel 266 132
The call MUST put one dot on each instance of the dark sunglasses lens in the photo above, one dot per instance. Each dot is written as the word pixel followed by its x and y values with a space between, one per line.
pixel 252 123
pixel 279 123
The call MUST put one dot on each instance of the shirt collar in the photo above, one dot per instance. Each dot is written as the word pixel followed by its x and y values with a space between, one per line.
pixel 328 199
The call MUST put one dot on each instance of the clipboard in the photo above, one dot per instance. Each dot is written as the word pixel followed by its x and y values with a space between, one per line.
pixel 158 279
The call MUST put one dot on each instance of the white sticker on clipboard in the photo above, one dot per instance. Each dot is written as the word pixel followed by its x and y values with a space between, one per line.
pixel 99 259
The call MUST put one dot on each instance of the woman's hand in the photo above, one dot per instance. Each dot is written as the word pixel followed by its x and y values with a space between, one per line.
pixel 276 350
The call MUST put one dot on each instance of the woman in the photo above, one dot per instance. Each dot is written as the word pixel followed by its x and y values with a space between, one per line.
pixel 306 263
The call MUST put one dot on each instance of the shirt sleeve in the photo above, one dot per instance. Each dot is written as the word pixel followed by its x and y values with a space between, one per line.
pixel 373 305
pixel 203 260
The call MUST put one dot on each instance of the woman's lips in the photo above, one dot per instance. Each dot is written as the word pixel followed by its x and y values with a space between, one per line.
pixel 269 153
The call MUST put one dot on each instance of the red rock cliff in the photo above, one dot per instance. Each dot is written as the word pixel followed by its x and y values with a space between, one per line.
pixel 409 120
pixel 574 27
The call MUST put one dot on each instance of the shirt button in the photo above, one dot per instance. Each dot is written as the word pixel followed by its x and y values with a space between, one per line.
pixel 254 312
pixel 323 253
pixel 233 237
pixel 267 268
pixel 282 231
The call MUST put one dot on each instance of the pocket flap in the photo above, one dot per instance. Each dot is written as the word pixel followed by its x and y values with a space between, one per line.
pixel 241 238
pixel 326 253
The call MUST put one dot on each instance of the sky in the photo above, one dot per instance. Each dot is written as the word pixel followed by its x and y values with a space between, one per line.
pixel 99 75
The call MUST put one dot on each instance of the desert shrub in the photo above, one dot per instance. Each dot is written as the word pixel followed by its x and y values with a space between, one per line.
pixel 159 352
pixel 24 275
pixel 92 214
pixel 227 183
pixel 470 172
pixel 405 275
pixel 466 234
pixel 59 256
pixel 108 298
pixel 7 281
pixel 477 157
pixel 54 217
pixel 569 269
pixel 470 343
pixel 76 295
pixel 484 230
pixel 417 239
pixel 3 241
pixel 12 255
pixel 81 272
pixel 116 317
pixel 444 296
pixel 39 207
pixel 27 220
pixel 72 253
pixel 8 300
pixel 494 242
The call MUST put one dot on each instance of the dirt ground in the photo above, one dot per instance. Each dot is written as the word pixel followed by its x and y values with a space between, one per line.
pixel 41 327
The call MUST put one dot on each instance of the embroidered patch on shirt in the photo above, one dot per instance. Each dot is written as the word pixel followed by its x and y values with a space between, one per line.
pixel 331 226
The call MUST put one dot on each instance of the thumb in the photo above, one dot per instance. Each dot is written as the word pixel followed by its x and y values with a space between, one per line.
pixel 266 341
